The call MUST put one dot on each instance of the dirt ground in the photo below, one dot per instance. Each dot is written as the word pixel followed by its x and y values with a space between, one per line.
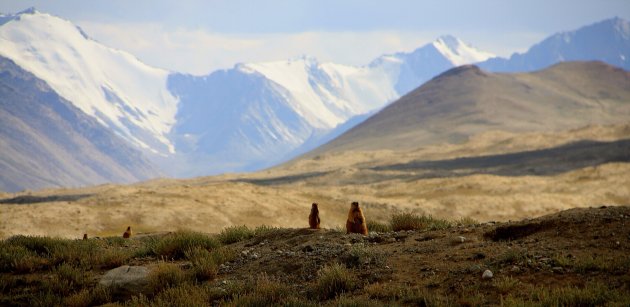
pixel 568 249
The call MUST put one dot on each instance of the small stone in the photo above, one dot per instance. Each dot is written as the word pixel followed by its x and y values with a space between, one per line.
pixel 254 256
pixel 460 239
pixel 245 252
pixel 557 269
pixel 487 274
pixel 387 267
pixel 515 269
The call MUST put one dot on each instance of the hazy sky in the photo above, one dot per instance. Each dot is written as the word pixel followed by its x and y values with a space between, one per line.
pixel 199 36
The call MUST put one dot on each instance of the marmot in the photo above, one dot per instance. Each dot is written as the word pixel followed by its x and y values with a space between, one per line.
pixel 313 218
pixel 356 221
pixel 127 233
pixel 85 236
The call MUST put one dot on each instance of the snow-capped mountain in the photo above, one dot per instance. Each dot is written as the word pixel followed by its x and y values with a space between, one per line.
pixel 244 118
pixel 45 141
pixel 607 41
pixel 258 114
pixel 240 119
pixel 122 93
pixel 426 62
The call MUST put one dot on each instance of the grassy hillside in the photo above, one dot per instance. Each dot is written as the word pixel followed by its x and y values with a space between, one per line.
pixel 578 257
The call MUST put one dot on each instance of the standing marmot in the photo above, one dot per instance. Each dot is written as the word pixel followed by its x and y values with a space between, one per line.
pixel 127 233
pixel 313 218
pixel 356 221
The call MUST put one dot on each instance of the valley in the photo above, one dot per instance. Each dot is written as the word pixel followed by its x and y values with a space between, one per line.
pixel 530 174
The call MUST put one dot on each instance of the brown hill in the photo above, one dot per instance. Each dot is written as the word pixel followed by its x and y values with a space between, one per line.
pixel 466 100
pixel 577 257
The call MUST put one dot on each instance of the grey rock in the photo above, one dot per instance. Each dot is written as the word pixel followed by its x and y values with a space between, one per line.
pixel 126 281
pixel 487 274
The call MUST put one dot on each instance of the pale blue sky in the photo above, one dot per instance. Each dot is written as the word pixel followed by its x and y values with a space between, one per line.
pixel 199 36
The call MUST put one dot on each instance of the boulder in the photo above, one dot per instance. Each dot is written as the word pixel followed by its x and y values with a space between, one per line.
pixel 126 281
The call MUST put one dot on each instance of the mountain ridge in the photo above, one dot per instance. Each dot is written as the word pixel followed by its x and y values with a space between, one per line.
pixel 466 100
pixel 47 142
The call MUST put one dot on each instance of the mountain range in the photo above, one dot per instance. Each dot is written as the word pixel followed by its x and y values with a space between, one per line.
pixel 253 115
pixel 467 100
pixel 46 141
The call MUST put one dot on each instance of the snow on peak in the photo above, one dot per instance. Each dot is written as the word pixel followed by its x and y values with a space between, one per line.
pixel 123 93
pixel 327 94
pixel 458 52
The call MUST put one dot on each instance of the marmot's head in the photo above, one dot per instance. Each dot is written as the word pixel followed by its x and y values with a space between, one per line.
pixel 314 206
pixel 355 205
pixel 128 228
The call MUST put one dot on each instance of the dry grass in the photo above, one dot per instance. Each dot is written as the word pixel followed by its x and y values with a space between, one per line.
pixel 332 280
pixel 413 221
pixel 175 245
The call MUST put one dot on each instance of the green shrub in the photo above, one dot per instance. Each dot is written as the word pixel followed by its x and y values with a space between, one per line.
pixel 359 255
pixel 235 234
pixel 88 297
pixel 182 296
pixel 505 284
pixel 263 292
pixel 73 275
pixel 19 259
pixel 348 301
pixel 43 246
pixel 333 280
pixel 412 221
pixel 166 275
pixel 595 294
pixel 374 226
pixel 265 231
pixel 175 245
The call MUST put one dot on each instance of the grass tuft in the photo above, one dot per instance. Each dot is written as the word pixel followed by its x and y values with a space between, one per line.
pixel 374 226
pixel 234 234
pixel 412 221
pixel 333 280
pixel 174 246
pixel 166 275
pixel 360 256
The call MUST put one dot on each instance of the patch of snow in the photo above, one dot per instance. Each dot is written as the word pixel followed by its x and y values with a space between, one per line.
pixel 458 52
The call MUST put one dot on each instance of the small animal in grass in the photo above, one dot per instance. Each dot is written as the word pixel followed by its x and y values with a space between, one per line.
pixel 356 220
pixel 85 236
pixel 127 233
pixel 313 218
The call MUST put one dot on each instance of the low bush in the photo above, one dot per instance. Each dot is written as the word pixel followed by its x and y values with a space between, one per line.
pixel 374 226
pixel 333 280
pixel 235 234
pixel 166 275
pixel 175 245
pixel 412 221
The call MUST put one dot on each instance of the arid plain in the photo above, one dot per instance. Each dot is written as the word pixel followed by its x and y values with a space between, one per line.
pixel 529 175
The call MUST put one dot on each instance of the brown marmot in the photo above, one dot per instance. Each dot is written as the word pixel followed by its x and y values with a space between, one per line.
pixel 127 233
pixel 85 236
pixel 313 218
pixel 356 220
